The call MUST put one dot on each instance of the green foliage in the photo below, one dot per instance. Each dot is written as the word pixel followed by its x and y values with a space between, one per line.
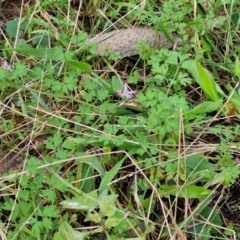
pixel 204 79
pixel 230 174
pixel 189 191
pixel 110 144
pixel 166 67
pixel 67 232
pixel 207 232
pixel 16 27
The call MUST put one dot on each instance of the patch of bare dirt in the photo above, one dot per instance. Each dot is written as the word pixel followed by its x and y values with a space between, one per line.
pixel 10 9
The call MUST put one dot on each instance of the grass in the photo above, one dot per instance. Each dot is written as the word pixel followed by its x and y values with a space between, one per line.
pixel 144 147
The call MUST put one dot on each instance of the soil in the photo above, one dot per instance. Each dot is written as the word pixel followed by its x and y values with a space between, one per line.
pixel 229 207
pixel 10 9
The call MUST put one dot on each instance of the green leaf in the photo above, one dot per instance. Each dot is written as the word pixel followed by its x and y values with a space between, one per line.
pixel 69 145
pixel 50 195
pixel 117 85
pixel 207 231
pixel 41 39
pixel 82 203
pixel 56 53
pixel 112 222
pixel 74 204
pixel 207 82
pixel 50 211
pixel 206 46
pixel 108 177
pixel 93 217
pixel 90 160
pixel 198 167
pixel 204 79
pixel 13 27
pixel 81 65
pixel 37 227
pixel 205 107
pixel 107 205
pixel 79 39
pixel 66 232
pixel 134 77
pixel 235 17
pixel 20 70
pixel 198 163
pixel 47 223
pixel 196 211
pixel 54 142
pixel 185 191
pixel 85 174
pixel 100 197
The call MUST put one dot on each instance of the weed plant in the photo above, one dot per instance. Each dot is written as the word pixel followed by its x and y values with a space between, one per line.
pixel 119 148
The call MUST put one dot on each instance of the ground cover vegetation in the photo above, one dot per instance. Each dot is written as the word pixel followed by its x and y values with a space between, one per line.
pixel 140 147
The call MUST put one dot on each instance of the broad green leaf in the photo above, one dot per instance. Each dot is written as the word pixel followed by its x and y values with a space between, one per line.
pixel 86 173
pixel 47 223
pixel 84 202
pixel 74 204
pixel 37 227
pixel 90 160
pixel 204 79
pixel 108 177
pixel 134 77
pixel 66 232
pixel 100 197
pixel 112 222
pixel 13 27
pixel 205 107
pixel 218 178
pixel 81 65
pixel 93 217
pixel 107 205
pixel 207 82
pixel 41 38
pixel 50 211
pixel 236 16
pixel 56 53
pixel 186 191
pixel 213 217
pixel 132 106
pixel 198 167
pixel 117 85
pixel 197 163
pixel 196 211
pixel 205 45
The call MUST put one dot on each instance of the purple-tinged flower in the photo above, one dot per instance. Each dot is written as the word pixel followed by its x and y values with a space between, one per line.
pixel 128 94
